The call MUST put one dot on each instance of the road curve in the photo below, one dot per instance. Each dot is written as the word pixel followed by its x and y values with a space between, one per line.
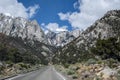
pixel 47 73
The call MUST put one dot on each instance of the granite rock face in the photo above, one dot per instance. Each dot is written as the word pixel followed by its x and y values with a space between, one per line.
pixel 20 27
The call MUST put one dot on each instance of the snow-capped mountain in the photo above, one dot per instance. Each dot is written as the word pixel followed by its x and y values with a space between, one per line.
pixel 62 38
pixel 23 28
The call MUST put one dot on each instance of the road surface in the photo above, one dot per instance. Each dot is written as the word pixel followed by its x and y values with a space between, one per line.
pixel 47 73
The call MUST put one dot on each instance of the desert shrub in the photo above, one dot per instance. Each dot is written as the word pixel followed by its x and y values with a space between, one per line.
pixel 112 63
pixel 99 62
pixel 108 48
pixel 98 78
pixel 118 71
pixel 70 72
pixel 12 55
pixel 24 65
pixel 72 67
pixel 118 77
pixel 66 65
pixel 1 69
pixel 75 76
pixel 91 61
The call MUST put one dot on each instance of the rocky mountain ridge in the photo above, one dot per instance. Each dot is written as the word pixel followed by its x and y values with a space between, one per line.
pixel 104 28
pixel 23 28
pixel 31 33
pixel 26 36
pixel 62 38
pixel 30 30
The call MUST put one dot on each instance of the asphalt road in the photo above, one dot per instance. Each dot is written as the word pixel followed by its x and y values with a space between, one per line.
pixel 47 73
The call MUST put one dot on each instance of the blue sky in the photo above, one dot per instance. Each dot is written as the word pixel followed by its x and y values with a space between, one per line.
pixel 59 15
pixel 49 9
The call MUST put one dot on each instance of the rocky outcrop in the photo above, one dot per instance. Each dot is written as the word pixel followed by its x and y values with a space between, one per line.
pixel 20 27
pixel 62 38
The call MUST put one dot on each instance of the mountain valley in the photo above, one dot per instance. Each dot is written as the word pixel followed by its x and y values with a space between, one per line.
pixel 82 54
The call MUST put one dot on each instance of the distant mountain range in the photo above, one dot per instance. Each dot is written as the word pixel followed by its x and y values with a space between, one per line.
pixel 62 38
pixel 27 36
pixel 30 30
pixel 79 49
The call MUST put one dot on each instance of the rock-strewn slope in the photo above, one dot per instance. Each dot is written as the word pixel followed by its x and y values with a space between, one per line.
pixel 79 49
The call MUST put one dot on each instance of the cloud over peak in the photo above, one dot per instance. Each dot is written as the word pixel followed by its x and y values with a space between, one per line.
pixel 17 9
pixel 54 27
pixel 32 10
pixel 88 12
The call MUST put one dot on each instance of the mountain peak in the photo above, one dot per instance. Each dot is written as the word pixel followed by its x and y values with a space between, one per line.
pixel 62 38
pixel 21 27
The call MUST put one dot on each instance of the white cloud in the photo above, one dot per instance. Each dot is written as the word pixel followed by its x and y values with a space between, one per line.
pixel 32 10
pixel 17 9
pixel 54 27
pixel 89 11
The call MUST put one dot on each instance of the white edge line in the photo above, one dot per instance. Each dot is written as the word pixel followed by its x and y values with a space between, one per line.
pixel 14 77
pixel 59 74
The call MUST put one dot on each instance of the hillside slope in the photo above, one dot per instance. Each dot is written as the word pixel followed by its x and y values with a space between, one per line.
pixel 79 49
pixel 26 36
